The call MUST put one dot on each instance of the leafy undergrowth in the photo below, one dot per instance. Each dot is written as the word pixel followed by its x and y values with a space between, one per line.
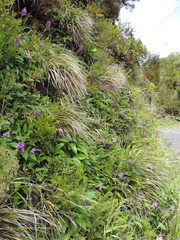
pixel 84 156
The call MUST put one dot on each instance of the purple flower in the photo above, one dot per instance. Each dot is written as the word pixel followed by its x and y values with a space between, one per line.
pixel 171 206
pixel 136 107
pixel 159 237
pixel 48 24
pixel 17 41
pixel 33 150
pixel 36 113
pixel 105 124
pixel 139 124
pixel 121 175
pixel 20 146
pixel 98 121
pixel 88 106
pixel 122 113
pixel 91 121
pixel 81 47
pixel 115 88
pixel 127 90
pixel 41 45
pixel 109 50
pixel 100 187
pixel 6 134
pixel 158 133
pixel 144 94
pixel 154 205
pixel 146 134
pixel 24 11
pixel 118 99
pixel 114 140
pixel 152 109
pixel 100 139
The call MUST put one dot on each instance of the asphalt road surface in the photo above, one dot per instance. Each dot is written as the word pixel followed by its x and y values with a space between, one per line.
pixel 172 137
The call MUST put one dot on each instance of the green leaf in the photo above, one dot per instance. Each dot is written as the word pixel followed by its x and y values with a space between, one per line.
pixel 25 154
pixel 73 147
pixel 77 161
pixel 81 222
pixel 59 146
pixel 162 226
pixel 83 150
pixel 13 144
pixel 81 156
pixel 63 140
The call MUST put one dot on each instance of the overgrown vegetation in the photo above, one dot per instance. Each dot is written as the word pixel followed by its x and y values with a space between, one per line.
pixel 164 73
pixel 80 155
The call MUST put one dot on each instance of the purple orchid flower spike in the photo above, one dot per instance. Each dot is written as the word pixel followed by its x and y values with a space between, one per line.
pixel 33 150
pixel 21 146
pixel 41 45
pixel 24 11
pixel 17 41
pixel 114 140
pixel 37 112
pixel 48 24
pixel 97 121
pixel 115 88
pixel 159 237
pixel 122 113
pixel 154 205
pixel 157 133
pixel 146 134
pixel 172 206
pixel 121 175
pixel 6 134
pixel 81 47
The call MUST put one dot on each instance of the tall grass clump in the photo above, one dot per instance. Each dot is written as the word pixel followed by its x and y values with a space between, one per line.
pixel 109 78
pixel 79 25
pixel 66 75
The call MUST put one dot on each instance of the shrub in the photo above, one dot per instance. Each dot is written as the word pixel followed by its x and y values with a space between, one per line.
pixel 107 35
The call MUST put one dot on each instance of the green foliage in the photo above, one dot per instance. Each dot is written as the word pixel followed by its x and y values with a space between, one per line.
pixel 8 169
pixel 10 54
pixel 92 166
pixel 107 34
pixel 3 6
pixel 164 73
pixel 170 83
pixel 109 8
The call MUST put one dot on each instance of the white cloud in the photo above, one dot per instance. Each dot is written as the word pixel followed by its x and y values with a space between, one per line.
pixel 153 25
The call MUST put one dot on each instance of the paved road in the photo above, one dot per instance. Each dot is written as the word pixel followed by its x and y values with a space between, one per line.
pixel 172 137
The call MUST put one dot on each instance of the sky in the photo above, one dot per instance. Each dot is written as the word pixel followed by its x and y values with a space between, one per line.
pixel 156 24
